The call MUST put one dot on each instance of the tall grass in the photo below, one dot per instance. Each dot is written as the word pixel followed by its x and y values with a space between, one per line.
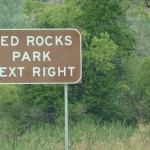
pixel 84 135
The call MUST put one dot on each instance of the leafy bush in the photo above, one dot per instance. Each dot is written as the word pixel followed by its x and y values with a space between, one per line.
pixel 107 44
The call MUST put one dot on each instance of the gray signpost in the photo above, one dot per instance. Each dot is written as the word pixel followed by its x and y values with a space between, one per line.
pixel 66 117
pixel 41 56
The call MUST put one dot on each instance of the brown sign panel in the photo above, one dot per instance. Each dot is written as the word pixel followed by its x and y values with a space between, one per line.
pixel 40 56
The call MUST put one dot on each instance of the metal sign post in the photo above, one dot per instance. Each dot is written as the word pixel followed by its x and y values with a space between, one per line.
pixel 66 115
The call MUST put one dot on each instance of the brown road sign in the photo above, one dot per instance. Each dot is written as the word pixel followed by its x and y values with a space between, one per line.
pixel 40 56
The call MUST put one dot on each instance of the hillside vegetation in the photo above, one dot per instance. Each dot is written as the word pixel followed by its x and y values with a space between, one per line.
pixel 111 108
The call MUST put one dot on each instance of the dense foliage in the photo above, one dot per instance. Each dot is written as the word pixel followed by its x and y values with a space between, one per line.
pixel 11 14
pixel 107 44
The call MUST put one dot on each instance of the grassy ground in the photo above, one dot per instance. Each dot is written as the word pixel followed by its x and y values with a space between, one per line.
pixel 82 136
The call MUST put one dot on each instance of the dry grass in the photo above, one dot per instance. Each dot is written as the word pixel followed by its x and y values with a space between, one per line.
pixel 140 140
pixel 82 136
